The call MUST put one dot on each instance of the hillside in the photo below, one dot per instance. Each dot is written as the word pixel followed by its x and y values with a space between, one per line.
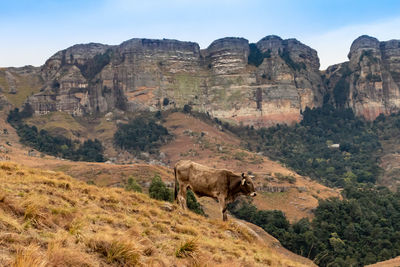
pixel 50 219
pixel 279 187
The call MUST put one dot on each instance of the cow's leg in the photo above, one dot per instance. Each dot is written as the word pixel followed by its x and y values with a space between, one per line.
pixel 182 196
pixel 222 204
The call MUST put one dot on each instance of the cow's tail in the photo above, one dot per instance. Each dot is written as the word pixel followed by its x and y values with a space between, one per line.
pixel 176 185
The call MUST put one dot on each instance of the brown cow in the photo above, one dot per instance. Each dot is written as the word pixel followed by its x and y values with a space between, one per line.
pixel 222 185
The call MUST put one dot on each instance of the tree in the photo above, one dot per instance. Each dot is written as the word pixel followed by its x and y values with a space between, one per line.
pixel 158 190
pixel 132 185
pixel 187 108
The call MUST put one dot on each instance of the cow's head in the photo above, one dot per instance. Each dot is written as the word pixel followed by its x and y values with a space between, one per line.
pixel 247 186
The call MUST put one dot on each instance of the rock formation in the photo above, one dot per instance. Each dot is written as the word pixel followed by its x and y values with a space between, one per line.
pixel 259 84
pixel 369 82
pixel 160 74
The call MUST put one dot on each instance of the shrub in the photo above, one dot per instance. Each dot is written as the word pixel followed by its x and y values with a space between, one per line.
pixel 165 101
pixel 132 185
pixel 192 203
pixel 158 190
pixel 256 57
pixel 187 108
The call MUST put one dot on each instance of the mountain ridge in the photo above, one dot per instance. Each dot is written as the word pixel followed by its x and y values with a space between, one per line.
pixel 260 84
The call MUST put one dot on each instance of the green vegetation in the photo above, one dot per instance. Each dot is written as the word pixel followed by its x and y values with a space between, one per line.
pixel 158 190
pixel 306 147
pixel 187 249
pixel 140 135
pixel 256 57
pixel 95 64
pixel 285 55
pixel 192 203
pixel 368 54
pixel 342 87
pixel 373 77
pixel 364 227
pixel 60 146
pixel 361 229
pixel 132 185
pixel 387 127
pixel 187 108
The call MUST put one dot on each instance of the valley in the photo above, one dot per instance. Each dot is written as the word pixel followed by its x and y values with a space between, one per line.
pixel 322 147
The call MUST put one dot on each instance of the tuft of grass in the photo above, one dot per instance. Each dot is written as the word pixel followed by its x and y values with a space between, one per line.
pixel 33 213
pixel 188 249
pixel 115 251
pixel 61 256
pixel 9 221
pixel 189 230
pixel 29 256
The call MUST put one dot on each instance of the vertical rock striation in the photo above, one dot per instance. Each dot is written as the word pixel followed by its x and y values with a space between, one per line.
pixel 369 82
pixel 159 74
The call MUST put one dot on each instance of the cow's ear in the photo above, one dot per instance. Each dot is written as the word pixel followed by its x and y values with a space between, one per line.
pixel 243 181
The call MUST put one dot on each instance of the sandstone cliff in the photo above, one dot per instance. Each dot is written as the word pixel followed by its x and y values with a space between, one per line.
pixel 161 74
pixel 369 82
pixel 259 84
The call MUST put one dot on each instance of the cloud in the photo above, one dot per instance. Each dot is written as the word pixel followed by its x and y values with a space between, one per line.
pixel 333 46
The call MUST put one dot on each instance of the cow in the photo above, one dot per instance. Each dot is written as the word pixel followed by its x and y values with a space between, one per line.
pixel 221 185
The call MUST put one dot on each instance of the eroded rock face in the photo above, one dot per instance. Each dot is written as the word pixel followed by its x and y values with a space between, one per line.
pixel 161 74
pixel 369 82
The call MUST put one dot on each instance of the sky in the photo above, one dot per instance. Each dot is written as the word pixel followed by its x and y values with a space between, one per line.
pixel 33 30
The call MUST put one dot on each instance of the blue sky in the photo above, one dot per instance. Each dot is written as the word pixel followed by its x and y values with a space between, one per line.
pixel 32 30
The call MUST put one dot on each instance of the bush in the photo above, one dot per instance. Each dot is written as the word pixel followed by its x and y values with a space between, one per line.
pixel 192 203
pixel 256 57
pixel 165 101
pixel 187 108
pixel 132 185
pixel 140 135
pixel 158 190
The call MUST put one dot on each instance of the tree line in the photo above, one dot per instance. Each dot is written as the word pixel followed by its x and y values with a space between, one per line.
pixel 59 146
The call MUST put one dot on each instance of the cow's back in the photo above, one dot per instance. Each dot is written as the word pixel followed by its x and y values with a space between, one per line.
pixel 203 180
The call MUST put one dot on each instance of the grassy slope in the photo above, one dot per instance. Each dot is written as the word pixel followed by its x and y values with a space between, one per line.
pixel 222 150
pixel 49 218
pixel 215 149
pixel 26 84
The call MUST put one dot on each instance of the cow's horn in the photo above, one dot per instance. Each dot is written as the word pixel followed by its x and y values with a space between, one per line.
pixel 243 181
pixel 243 174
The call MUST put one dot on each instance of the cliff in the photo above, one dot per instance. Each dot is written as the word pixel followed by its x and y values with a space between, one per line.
pixel 258 84
pixel 161 74
pixel 369 82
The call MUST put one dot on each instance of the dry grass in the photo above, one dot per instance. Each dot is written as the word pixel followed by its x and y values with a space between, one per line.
pixel 30 256
pixel 187 249
pixel 43 222
pixel 115 251
pixel 25 85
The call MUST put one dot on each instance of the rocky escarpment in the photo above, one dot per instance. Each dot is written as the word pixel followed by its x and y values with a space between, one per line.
pixel 162 74
pixel 258 84
pixel 369 82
